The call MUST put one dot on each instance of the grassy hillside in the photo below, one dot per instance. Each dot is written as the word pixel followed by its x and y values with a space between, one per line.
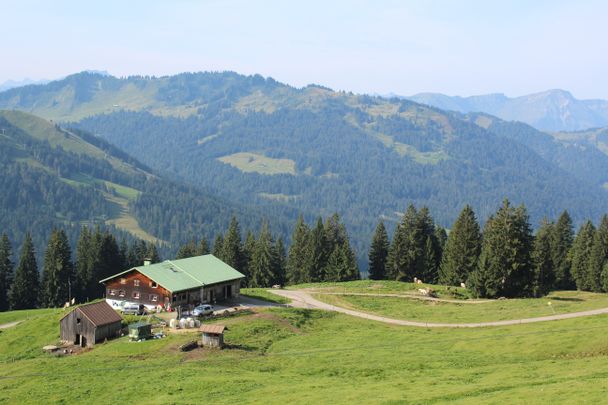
pixel 58 177
pixel 303 356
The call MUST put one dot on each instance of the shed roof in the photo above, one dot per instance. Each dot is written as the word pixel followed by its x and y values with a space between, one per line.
pixel 99 313
pixel 213 329
pixel 185 274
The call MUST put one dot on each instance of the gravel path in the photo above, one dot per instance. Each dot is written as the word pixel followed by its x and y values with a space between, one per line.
pixel 301 299
pixel 10 324
pixel 406 296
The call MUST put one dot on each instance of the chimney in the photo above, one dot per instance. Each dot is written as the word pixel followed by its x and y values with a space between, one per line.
pixel 147 262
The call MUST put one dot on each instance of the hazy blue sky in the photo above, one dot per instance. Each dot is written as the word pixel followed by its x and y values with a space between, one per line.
pixel 454 46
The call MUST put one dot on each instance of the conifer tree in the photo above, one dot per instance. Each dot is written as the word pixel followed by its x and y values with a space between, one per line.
pixel 57 271
pixel 561 255
pixel 462 248
pixel 83 277
pixel 543 260
pixel 218 247
pixel 378 253
pixel 316 253
pixel 25 289
pixel 264 259
pixel 581 255
pixel 428 254
pixel 442 237
pixel 281 263
pixel 296 259
pixel 6 271
pixel 203 247
pixel 248 250
pixel 187 250
pixel 404 252
pixel 151 252
pixel 232 247
pixel 599 257
pixel 505 265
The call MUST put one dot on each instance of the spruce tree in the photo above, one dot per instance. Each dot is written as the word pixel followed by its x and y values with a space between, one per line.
pixel 461 251
pixel 378 253
pixel 264 260
pixel 442 237
pixel 83 277
pixel 187 250
pixel 248 249
pixel 599 257
pixel 232 247
pixel 6 271
pixel 505 264
pixel 316 253
pixel 296 257
pixel 581 255
pixel 151 253
pixel 25 289
pixel 203 247
pixel 561 246
pixel 281 263
pixel 57 273
pixel 427 250
pixel 544 276
pixel 404 252
pixel 218 247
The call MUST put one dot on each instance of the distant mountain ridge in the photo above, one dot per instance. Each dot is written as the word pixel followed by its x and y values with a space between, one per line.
pixel 552 110
pixel 254 141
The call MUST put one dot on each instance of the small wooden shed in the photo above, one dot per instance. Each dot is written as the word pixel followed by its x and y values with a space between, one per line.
pixel 213 335
pixel 89 324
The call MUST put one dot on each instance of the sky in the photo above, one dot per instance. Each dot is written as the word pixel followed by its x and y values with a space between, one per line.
pixel 456 47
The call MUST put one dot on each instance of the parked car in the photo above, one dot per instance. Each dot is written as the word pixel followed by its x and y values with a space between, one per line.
pixel 202 310
pixel 132 308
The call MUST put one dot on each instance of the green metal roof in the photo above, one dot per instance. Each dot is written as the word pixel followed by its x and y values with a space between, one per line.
pixel 185 274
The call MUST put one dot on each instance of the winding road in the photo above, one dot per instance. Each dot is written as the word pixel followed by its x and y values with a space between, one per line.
pixel 302 299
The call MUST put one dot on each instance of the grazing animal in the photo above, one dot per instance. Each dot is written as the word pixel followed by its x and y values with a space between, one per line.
pixel 423 291
pixel 463 285
pixel 418 281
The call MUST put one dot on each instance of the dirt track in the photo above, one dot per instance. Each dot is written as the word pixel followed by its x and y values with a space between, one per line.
pixel 302 299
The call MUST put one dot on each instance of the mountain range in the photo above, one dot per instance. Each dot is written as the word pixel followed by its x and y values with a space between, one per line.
pixel 553 110
pixel 265 149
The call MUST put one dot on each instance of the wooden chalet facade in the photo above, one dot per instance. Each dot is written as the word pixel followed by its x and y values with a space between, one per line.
pixel 89 324
pixel 173 283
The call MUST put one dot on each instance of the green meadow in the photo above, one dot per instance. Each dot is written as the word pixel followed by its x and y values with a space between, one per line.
pixel 285 355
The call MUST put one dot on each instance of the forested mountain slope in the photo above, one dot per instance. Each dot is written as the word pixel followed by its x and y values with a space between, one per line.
pixel 256 141
pixel 54 177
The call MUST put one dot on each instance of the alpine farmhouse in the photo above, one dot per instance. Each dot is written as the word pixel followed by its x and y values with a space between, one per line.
pixel 174 283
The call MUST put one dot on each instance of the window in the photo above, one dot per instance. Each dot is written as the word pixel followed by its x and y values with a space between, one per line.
pixel 174 298
pixel 153 297
pixel 121 293
pixel 111 292
pixel 136 283
pixel 135 295
pixel 123 281
pixel 153 284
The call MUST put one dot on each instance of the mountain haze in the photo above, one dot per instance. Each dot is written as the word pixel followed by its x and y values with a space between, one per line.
pixel 553 110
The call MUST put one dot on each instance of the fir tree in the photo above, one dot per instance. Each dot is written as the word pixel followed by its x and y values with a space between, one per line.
pixel 599 257
pixel 296 258
pixel 248 250
pixel 264 260
pixel 187 250
pixel 315 256
pixel 83 278
pixel 378 253
pixel 544 276
pixel 25 289
pixel 281 263
pixel 561 246
pixel 6 271
pixel 404 252
pixel 203 247
pixel 57 271
pixel 461 251
pixel 428 254
pixel 442 237
pixel 581 255
pixel 151 253
pixel 218 247
pixel 232 248
pixel 505 264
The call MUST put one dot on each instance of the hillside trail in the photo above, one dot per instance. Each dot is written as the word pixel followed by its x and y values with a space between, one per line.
pixel 406 296
pixel 302 299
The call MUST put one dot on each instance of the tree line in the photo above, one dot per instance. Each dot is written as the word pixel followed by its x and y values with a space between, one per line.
pixel 503 260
